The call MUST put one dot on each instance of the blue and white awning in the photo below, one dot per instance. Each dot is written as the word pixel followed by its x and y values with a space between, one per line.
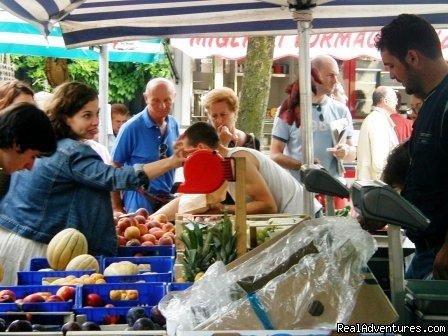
pixel 93 22
pixel 22 38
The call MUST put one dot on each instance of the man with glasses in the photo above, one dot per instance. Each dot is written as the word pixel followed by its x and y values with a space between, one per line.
pixel 286 142
pixel 147 137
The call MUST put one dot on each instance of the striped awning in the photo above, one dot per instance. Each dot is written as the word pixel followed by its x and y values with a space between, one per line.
pixel 92 22
pixel 22 38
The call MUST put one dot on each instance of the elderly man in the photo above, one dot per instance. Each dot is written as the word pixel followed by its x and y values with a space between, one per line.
pixel 411 50
pixel 286 143
pixel 377 136
pixel 148 137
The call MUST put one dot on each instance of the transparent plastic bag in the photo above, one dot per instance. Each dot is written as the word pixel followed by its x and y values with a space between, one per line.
pixel 308 279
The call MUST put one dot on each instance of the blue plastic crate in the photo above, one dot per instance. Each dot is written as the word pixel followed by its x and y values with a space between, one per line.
pixel 36 277
pixel 22 291
pixel 161 269
pixel 100 315
pixel 149 294
pixel 178 286
pixel 147 251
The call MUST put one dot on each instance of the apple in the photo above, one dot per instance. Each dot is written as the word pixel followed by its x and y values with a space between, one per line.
pixel 94 300
pixel 7 295
pixel 111 319
pixel 33 298
pixel 54 298
pixel 66 293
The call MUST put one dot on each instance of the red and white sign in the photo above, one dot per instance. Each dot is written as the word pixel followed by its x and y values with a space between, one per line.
pixel 343 46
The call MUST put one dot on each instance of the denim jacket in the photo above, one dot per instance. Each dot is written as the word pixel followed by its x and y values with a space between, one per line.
pixel 70 189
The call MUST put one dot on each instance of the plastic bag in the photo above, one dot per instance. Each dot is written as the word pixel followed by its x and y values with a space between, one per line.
pixel 308 279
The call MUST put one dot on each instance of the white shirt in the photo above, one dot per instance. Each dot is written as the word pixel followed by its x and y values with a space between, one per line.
pixel 377 138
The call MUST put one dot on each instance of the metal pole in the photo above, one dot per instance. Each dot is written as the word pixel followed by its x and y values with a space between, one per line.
pixel 103 95
pixel 303 26
pixel 396 269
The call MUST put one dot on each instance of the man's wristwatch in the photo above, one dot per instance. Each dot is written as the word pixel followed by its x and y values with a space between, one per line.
pixel 138 168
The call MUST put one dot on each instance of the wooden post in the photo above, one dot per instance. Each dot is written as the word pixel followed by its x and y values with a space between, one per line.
pixel 240 206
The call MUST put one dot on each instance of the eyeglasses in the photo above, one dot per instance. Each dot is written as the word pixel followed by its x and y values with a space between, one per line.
pixel 163 147
pixel 318 107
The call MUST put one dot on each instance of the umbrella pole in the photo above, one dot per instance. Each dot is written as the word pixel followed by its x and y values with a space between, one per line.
pixel 304 19
pixel 103 94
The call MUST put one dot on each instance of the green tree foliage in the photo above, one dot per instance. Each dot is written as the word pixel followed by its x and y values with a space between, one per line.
pixel 126 80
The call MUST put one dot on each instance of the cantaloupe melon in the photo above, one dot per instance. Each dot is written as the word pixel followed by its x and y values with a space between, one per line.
pixel 64 246
pixel 83 262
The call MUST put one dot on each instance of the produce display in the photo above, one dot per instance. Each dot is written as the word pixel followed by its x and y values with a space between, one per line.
pixel 138 229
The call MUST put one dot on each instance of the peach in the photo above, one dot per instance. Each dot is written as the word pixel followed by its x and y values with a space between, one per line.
pixel 157 232
pixel 165 240
pixel 148 237
pixel 143 229
pixel 142 212
pixel 132 232
pixel 139 219
pixel 121 240
pixel 168 227
pixel 148 243
pixel 124 223
pixel 161 218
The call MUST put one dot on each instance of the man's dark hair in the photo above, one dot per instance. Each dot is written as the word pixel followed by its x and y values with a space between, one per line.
pixel 27 127
pixel 408 31
pixel 397 166
pixel 68 99
pixel 202 132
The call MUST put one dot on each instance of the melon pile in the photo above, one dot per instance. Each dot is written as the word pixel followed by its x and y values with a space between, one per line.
pixel 68 249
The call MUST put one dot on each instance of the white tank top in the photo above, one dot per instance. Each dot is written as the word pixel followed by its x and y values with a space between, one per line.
pixel 287 192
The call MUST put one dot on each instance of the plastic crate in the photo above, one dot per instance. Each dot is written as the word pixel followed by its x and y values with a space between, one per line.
pixel 177 286
pixel 147 251
pixel 430 297
pixel 161 269
pixel 22 291
pixel 37 277
pixel 149 295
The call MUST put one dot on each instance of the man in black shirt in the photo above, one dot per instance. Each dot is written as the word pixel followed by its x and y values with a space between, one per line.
pixel 411 50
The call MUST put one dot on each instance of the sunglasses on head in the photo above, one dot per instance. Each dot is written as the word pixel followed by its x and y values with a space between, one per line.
pixel 163 147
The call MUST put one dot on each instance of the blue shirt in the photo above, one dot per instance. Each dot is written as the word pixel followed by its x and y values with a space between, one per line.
pixel 138 141
pixel 70 189
pixel 426 184
pixel 331 110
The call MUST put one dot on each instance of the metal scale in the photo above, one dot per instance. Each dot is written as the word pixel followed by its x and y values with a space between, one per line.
pixel 375 201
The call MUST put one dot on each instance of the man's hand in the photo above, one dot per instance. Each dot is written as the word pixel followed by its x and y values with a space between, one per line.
pixel 225 136
pixel 440 268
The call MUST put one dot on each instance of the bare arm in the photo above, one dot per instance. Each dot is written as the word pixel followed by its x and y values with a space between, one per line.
pixel 276 154
pixel 115 196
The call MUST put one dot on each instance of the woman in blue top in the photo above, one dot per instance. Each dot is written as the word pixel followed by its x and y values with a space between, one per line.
pixel 70 189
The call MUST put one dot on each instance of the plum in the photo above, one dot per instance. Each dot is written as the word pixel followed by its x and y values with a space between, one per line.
pixel 86 326
pixel 20 326
pixel 2 325
pixel 134 314
pixel 70 326
pixel 144 323
pixel 157 317
pixel 38 327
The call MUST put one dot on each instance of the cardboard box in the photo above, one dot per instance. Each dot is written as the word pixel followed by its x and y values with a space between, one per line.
pixel 372 305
